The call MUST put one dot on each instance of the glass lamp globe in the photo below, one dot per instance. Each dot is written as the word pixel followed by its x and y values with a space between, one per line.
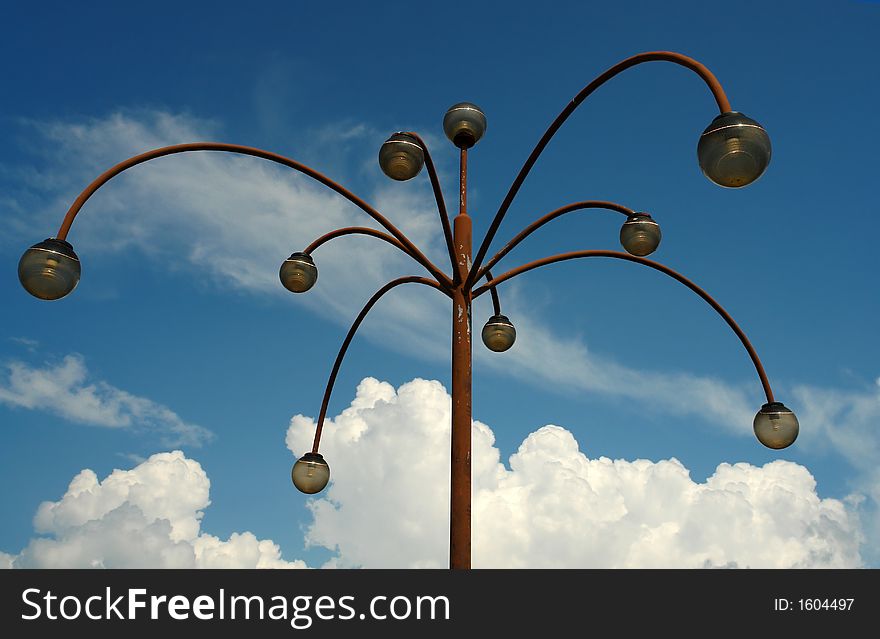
pixel 401 157
pixel 776 426
pixel 734 150
pixel 310 473
pixel 498 334
pixel 298 273
pixel 464 124
pixel 640 235
pixel 49 270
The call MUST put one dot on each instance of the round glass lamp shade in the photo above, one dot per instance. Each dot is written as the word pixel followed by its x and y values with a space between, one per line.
pixel 310 473
pixel 776 426
pixel 498 334
pixel 401 157
pixel 298 273
pixel 640 235
pixel 49 270
pixel 734 150
pixel 464 124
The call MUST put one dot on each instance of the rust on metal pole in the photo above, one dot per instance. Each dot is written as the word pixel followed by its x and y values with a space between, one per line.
pixel 460 471
pixel 462 184
pixel 562 257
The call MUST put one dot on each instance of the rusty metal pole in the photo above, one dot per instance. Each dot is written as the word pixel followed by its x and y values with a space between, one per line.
pixel 460 499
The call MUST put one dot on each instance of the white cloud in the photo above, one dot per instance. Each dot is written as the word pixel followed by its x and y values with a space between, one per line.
pixel 387 504
pixel 253 214
pixel 30 344
pixel 232 220
pixel 846 421
pixel 146 517
pixel 849 423
pixel 65 389
pixel 568 363
pixel 241 550
pixel 132 457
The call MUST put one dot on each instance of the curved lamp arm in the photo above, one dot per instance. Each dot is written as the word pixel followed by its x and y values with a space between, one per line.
pixel 534 226
pixel 365 230
pixel 438 196
pixel 351 331
pixel 355 230
pixel 496 303
pixel 242 150
pixel 650 56
pixel 658 267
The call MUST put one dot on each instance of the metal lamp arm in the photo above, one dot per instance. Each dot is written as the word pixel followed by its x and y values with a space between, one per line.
pixel 496 302
pixel 650 56
pixel 438 196
pixel 549 217
pixel 241 150
pixel 412 279
pixel 657 267
pixel 363 230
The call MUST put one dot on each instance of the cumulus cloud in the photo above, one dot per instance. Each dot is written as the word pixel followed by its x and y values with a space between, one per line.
pixel 65 389
pixel 254 214
pixel 146 517
pixel 551 505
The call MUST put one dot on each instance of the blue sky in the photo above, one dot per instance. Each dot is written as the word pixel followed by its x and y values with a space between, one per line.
pixel 179 304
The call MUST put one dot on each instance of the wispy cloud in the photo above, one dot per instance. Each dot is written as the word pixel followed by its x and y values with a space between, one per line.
pixel 254 214
pixel 245 216
pixel 30 344
pixel 65 389
pixel 540 354
pixel 133 458
pixel 848 422
pixel 234 219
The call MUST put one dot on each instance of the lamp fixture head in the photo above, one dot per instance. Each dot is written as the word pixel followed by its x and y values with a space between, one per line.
pixel 49 270
pixel 401 157
pixel 776 426
pixel 298 272
pixel 464 124
pixel 734 150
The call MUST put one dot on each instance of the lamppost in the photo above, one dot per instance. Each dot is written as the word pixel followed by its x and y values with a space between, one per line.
pixel 733 151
